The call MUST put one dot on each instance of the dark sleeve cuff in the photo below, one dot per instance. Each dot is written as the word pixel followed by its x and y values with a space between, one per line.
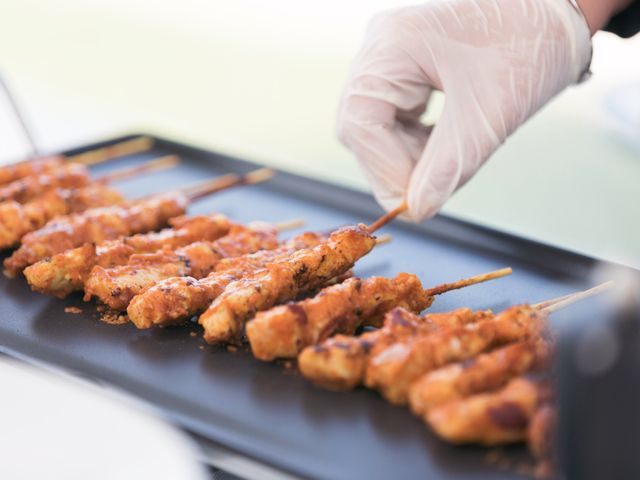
pixel 626 23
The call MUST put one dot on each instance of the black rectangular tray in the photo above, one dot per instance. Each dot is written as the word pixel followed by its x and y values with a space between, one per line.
pixel 262 410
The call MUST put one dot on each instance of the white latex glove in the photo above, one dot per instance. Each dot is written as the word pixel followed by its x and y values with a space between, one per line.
pixel 497 61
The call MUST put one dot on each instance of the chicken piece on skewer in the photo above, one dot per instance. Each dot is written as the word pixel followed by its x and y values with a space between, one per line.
pixel 28 188
pixel 394 369
pixel 492 418
pixel 40 165
pixel 95 226
pixel 283 280
pixel 283 331
pixel 340 362
pixel 16 219
pixel 485 372
pixel 116 286
pixel 174 300
pixel 101 224
pixel 67 271
pixel 27 168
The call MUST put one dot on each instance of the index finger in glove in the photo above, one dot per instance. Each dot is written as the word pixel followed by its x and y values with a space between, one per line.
pixel 379 112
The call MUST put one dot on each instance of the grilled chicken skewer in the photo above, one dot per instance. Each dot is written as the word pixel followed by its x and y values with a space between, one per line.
pixel 28 188
pixel 283 331
pixel 477 401
pixel 95 225
pixel 101 224
pixel 116 286
pixel 174 300
pixel 485 372
pixel 491 418
pixel 282 280
pixel 340 361
pixel 38 166
pixel 17 219
pixel 393 364
pixel 69 175
pixel 27 168
pixel 67 271
pixel 512 409
pixel 394 369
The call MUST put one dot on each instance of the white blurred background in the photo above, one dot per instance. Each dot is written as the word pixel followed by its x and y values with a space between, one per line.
pixel 261 80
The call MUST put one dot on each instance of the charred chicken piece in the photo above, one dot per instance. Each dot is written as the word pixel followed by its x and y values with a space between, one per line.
pixel 67 271
pixel 283 280
pixel 340 362
pixel 394 369
pixel 283 331
pixel 491 418
pixel 116 286
pixel 16 219
pixel 174 300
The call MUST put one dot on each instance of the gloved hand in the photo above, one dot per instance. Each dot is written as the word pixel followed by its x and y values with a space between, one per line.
pixel 497 61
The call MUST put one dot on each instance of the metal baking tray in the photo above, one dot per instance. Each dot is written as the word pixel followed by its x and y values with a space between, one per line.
pixel 262 410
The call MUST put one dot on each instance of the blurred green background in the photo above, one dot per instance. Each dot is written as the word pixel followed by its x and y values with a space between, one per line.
pixel 262 79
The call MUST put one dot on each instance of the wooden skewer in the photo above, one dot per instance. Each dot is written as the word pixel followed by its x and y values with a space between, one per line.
pixel 227 181
pixel 387 217
pixel 289 225
pixel 546 303
pixel 570 299
pixel 257 176
pixel 111 152
pixel 447 287
pixel 161 163
pixel 216 184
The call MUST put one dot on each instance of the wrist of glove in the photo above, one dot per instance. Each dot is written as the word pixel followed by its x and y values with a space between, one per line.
pixel 497 62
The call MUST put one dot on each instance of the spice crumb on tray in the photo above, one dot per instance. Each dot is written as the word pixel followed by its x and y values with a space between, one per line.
pixel 113 318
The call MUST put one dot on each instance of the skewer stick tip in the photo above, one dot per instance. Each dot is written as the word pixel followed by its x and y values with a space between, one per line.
pixel 289 225
pixel 567 300
pixel 467 282
pixel 161 163
pixel 227 181
pixel 546 303
pixel 257 176
pixel 111 152
pixel 216 184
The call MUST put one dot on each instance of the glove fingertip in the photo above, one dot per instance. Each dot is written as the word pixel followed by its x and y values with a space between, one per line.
pixel 423 204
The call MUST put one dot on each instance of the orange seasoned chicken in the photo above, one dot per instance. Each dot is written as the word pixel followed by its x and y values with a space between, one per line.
pixel 394 369
pixel 95 225
pixel 177 299
pixel 283 331
pixel 116 286
pixel 487 371
pixel 67 271
pixel 28 168
pixel 283 280
pixel 16 219
pixel 28 188
pixel 340 362
pixel 491 418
